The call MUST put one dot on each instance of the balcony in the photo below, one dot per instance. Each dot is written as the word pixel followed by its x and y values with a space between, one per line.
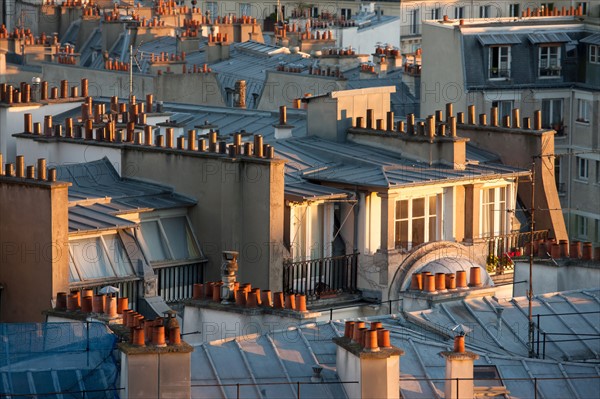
pixel 319 278
pixel 552 71
pixel 498 73
pixel 502 248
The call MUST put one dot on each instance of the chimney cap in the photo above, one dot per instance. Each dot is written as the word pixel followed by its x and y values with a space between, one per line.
pixel 461 330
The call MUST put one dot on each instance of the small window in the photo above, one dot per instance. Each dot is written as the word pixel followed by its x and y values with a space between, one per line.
pixel 436 13
pixel 346 13
pixel 594 54
pixel 499 62
pixel 549 61
pixel 552 115
pixel 315 12
pixel 169 239
pixel 504 108
pixel 414 22
pixel 213 8
pixel 98 257
pixel 245 9
pixel 459 12
pixel 583 5
pixel 583 171
pixel 485 11
pixel 514 10
pixel 583 111
pixel 548 6
pixel 582 228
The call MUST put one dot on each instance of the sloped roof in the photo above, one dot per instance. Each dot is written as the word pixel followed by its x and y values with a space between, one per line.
pixel 570 320
pixel 288 356
pixel 98 195
pixel 316 159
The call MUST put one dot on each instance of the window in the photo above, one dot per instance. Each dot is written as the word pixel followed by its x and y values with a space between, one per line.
pixel 493 212
pixel 583 5
pixel 213 8
pixel 98 258
pixel 583 110
pixel 499 62
pixel 414 22
pixel 594 54
pixel 485 11
pixel 581 222
pixel 549 61
pixel 560 186
pixel 459 12
pixel 245 9
pixel 552 115
pixel 436 13
pixel 315 12
pixel 583 168
pixel 548 6
pixel 169 239
pixel 416 221
pixel 504 108
pixel 513 10
pixel 346 13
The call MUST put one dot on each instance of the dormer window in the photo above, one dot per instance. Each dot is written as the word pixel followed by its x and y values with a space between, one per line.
pixel 499 62
pixel 549 61
pixel 594 54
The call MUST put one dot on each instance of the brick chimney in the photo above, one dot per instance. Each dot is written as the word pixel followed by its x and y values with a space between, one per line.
pixel 459 371
pixel 239 94
pixel 369 358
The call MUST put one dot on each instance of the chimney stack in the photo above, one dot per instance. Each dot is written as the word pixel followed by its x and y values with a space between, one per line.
pixel 370 359
pixel 459 371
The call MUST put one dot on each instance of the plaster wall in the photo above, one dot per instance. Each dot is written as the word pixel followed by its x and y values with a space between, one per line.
pixel 548 277
pixel 33 247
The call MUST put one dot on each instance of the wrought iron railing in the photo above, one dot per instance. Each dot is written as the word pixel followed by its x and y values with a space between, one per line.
pixel 176 283
pixel 502 248
pixel 317 278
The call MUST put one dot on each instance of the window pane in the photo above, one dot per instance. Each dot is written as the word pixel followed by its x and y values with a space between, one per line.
pixel 154 241
pixel 73 276
pixel 402 234
pixel 91 259
pixel 418 208
pixel 179 237
pixel 432 228
pixel 402 209
pixel 117 254
pixel 432 205
pixel 418 231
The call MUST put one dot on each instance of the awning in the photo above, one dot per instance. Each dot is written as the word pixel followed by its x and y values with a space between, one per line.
pixel 592 39
pixel 498 39
pixel 557 37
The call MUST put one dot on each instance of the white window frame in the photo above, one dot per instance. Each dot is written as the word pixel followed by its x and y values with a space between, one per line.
pixel 165 239
pixel 414 21
pixel 246 9
pixel 583 168
pixel 346 13
pixel 584 8
pixel 500 204
pixel 514 10
pixel 501 73
pixel 594 54
pixel 549 62
pixel 505 107
pixel 107 254
pixel 427 215
pixel 583 111
pixel 552 104
pixel 436 13
pixel 485 11
pixel 459 12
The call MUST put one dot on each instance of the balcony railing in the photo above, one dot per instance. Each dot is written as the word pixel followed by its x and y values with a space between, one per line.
pixel 502 248
pixel 317 278
pixel 550 71
pixel 496 73
pixel 128 288
pixel 176 283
